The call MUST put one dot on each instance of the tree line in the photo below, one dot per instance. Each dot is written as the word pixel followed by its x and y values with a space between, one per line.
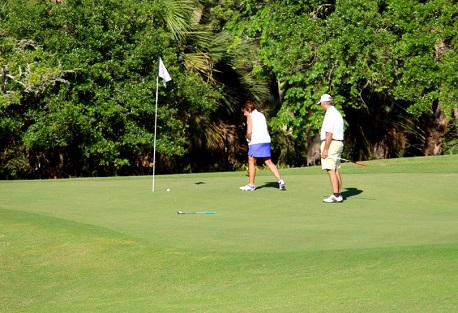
pixel 78 81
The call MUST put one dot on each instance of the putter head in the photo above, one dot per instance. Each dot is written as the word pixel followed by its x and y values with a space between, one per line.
pixel 179 212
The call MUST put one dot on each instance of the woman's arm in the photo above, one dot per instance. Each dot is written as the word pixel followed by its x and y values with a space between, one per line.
pixel 249 125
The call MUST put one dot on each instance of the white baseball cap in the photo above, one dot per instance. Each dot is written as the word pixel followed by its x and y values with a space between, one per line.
pixel 325 98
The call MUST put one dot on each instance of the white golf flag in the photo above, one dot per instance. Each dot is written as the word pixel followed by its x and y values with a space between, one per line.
pixel 163 73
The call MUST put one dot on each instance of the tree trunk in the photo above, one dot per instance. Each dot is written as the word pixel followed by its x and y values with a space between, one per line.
pixel 281 91
pixel 436 126
pixel 313 152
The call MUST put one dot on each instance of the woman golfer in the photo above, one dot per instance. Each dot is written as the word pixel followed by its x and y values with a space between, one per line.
pixel 258 139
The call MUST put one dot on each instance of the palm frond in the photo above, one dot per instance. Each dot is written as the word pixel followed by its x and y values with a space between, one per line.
pixel 178 15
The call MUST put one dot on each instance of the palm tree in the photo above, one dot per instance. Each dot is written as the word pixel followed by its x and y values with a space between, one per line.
pixel 207 53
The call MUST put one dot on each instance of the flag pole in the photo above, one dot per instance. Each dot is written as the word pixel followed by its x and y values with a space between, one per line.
pixel 155 130
pixel 164 74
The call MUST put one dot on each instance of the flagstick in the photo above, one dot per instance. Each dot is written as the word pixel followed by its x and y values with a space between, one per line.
pixel 155 127
pixel 164 74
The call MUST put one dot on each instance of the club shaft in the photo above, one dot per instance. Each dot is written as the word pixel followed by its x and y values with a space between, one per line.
pixel 203 212
pixel 345 160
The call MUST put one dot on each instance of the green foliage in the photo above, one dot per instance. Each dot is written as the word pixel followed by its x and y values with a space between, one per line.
pixel 451 139
pixel 78 79
pixel 102 121
pixel 421 76
pixel 376 57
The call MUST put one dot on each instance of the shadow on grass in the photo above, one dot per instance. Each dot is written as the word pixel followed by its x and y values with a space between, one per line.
pixel 350 192
pixel 268 185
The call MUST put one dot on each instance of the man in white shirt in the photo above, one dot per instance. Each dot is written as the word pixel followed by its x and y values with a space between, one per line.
pixel 332 136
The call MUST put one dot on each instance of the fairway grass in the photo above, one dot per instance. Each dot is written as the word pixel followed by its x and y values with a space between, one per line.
pixel 113 245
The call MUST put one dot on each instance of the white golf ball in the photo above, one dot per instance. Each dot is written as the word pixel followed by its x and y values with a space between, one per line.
pixel 168 189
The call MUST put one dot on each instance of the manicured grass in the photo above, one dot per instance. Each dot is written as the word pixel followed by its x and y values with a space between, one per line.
pixel 113 245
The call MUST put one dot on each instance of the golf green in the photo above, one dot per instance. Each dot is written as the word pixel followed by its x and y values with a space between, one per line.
pixel 114 245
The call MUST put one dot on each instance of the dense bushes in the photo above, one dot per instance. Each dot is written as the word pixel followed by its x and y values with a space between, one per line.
pixel 78 81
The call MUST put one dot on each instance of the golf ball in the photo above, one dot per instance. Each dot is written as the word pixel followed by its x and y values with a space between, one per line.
pixel 168 189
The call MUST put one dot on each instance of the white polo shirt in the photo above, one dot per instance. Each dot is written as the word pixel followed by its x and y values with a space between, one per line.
pixel 332 123
pixel 259 131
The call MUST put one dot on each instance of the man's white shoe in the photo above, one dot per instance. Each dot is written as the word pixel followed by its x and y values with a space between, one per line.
pixel 281 185
pixel 248 187
pixel 333 199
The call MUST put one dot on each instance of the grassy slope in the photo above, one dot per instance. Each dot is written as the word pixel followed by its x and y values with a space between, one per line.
pixel 112 245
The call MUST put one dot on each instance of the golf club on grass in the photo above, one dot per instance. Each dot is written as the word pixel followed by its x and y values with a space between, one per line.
pixel 202 212
pixel 345 160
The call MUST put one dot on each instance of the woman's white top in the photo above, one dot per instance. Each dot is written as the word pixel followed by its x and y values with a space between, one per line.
pixel 259 131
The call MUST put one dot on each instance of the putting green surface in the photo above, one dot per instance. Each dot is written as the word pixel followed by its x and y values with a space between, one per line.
pixel 113 245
